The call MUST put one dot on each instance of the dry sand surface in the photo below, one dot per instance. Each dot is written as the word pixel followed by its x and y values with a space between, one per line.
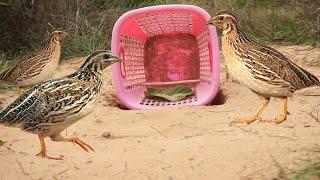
pixel 176 142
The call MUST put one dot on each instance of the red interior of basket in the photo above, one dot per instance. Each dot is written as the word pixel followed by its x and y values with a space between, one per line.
pixel 171 57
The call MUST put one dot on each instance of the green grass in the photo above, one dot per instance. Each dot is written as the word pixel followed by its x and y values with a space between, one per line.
pixel 317 62
pixel 4 64
pixel 311 171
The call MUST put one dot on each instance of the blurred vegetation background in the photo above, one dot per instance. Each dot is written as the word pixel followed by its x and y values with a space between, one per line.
pixel 25 24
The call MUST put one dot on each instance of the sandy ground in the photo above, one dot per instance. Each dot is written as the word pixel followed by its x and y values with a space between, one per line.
pixel 175 143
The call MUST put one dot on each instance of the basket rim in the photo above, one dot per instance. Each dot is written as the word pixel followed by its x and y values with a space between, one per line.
pixel 170 7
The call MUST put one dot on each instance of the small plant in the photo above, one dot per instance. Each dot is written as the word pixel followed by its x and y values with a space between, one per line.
pixel 317 62
pixel 2 142
pixel 310 172
pixel 4 65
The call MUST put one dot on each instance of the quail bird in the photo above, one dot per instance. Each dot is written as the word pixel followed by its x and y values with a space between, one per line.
pixel 262 69
pixel 37 66
pixel 48 108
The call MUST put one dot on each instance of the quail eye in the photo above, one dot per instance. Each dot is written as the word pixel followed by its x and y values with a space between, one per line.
pixel 220 18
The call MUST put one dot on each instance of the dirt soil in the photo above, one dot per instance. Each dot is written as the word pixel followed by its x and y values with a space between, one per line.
pixel 176 142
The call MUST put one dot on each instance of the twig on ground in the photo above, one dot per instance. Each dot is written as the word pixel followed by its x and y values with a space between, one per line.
pixel 314 117
pixel 9 145
pixel 281 137
pixel 119 137
pixel 227 123
pixel 124 170
pixel 59 173
pixel 176 124
pixel 183 125
pixel 310 94
pixel 245 130
pixel 221 111
pixel 219 131
pixel 281 173
pixel 187 137
pixel 289 126
pixel 75 165
pixel 23 171
pixel 256 171
pixel 159 132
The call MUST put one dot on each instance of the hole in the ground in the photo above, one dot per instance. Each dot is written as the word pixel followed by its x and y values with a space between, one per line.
pixel 220 98
pixel 111 100
pixel 122 107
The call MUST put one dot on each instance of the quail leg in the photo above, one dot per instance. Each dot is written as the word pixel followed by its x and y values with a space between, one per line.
pixel 43 152
pixel 281 118
pixel 82 144
pixel 21 90
pixel 255 116
pixel 74 140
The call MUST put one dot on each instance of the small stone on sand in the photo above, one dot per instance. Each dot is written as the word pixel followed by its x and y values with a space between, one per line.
pixel 105 133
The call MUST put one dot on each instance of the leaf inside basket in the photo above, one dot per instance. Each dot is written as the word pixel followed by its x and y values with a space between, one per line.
pixel 176 93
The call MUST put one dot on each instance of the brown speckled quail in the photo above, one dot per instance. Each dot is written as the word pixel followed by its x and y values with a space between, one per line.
pixel 37 66
pixel 48 108
pixel 262 69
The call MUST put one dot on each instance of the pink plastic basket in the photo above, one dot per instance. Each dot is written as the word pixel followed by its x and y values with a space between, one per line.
pixel 164 46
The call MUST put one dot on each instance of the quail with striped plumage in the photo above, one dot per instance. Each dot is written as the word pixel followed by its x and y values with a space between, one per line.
pixel 48 108
pixel 37 66
pixel 262 69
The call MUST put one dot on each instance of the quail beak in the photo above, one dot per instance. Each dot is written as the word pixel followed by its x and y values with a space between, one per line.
pixel 211 22
pixel 115 59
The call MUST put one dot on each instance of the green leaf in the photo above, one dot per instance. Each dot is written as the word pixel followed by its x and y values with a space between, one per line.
pixel 2 142
pixel 176 93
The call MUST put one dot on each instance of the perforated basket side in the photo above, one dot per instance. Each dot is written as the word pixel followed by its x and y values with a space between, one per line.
pixel 204 53
pixel 155 103
pixel 165 22
pixel 133 65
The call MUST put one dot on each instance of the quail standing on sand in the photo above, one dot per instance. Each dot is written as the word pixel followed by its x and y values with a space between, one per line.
pixel 262 69
pixel 37 66
pixel 48 108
